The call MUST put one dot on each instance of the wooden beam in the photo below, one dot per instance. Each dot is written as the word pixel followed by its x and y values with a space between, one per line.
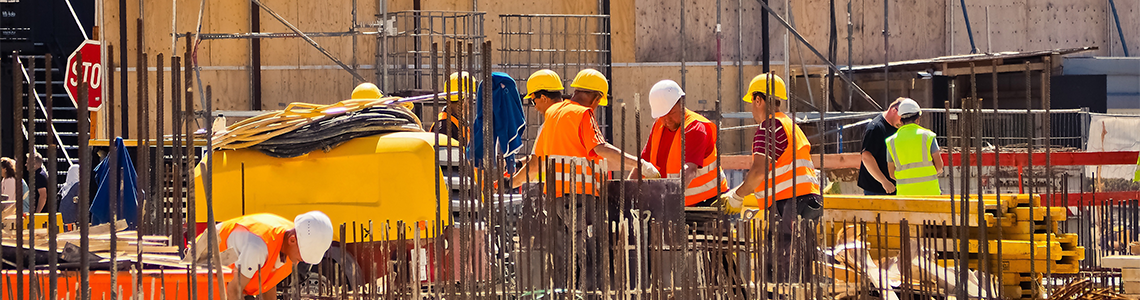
pixel 987 69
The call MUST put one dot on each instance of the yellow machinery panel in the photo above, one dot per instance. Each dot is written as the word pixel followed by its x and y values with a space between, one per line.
pixel 389 177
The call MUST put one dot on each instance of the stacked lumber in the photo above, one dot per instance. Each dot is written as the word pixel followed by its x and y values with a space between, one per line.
pixel 1030 241
pixel 155 250
pixel 1129 266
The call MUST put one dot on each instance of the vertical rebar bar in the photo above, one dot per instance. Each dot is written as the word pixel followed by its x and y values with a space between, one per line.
pixel 85 162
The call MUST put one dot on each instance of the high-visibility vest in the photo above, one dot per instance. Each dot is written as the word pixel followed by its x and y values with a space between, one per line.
pixel 568 162
pixel 798 171
pixel 271 228
pixel 914 169
pixel 704 183
pixel 464 135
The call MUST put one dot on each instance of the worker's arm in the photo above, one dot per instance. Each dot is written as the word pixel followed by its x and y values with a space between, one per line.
pixel 756 176
pixel 690 172
pixel 235 288
pixel 891 168
pixel 41 201
pixel 938 163
pixel 617 158
pixel 872 166
pixel 529 170
pixel 270 294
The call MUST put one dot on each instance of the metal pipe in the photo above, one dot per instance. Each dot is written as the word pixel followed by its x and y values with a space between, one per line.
pixel 969 32
pixel 886 52
pixel 1123 43
pixel 123 106
pixel 685 46
pixel 158 180
pixel 309 40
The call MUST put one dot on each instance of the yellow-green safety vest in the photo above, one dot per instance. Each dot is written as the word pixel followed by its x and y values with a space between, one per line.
pixel 914 170
pixel 1136 177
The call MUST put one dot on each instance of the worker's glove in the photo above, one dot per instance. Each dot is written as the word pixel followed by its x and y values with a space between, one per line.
pixel 731 203
pixel 649 171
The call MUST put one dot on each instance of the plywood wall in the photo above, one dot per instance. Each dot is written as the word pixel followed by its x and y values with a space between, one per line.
pixel 643 31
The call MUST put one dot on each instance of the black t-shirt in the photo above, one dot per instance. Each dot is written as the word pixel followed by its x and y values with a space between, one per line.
pixel 875 141
pixel 41 183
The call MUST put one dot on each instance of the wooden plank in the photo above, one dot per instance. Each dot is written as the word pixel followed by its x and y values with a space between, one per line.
pixel 836 215
pixel 1058 214
pixel 989 69
pixel 1121 261
pixel 901 204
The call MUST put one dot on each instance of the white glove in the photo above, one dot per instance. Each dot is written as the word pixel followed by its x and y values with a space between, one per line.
pixel 731 202
pixel 649 171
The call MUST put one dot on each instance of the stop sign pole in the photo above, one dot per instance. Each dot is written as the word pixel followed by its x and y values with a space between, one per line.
pixel 91 68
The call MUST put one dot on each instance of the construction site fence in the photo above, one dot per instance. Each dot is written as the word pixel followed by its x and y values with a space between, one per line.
pixel 1008 128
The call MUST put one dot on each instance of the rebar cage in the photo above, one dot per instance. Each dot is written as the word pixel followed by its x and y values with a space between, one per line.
pixel 565 44
pixel 407 53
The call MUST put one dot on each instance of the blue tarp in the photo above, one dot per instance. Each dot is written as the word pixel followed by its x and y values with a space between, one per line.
pixel 509 120
pixel 128 198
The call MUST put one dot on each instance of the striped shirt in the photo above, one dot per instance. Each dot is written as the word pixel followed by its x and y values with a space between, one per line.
pixel 770 140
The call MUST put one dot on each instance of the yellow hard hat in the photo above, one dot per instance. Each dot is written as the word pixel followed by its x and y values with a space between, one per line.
pixel 456 84
pixel 544 79
pixel 366 90
pixel 590 79
pixel 760 84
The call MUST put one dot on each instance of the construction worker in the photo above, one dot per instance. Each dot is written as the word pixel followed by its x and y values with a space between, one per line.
pixel 782 175
pixel 544 87
pixel 267 247
pixel 913 154
pixel 366 90
pixel 664 150
pixel 873 155
pixel 577 158
pixel 452 121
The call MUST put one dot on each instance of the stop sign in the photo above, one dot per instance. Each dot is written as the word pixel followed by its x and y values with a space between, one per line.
pixel 92 69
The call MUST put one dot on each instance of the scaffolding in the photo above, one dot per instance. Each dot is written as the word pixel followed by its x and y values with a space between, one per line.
pixel 407 53
pixel 563 43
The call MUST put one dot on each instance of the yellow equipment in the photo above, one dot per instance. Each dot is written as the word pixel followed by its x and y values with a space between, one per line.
pixel 590 79
pixel 760 84
pixel 541 80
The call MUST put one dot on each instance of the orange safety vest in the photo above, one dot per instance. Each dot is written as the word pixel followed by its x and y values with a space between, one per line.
pixel 569 163
pixel 464 135
pixel 804 175
pixel 271 228
pixel 703 186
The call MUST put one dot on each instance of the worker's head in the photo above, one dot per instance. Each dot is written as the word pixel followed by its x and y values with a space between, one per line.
pixel 544 87
pixel 310 237
pixel 765 93
pixel 590 88
pixel 7 168
pixel 35 161
pixel 463 84
pixel 665 103
pixel 908 111
pixel 366 90
pixel 892 112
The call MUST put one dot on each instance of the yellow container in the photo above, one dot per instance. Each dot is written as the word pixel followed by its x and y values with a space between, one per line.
pixel 389 177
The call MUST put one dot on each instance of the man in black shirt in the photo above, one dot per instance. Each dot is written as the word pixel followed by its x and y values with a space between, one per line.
pixel 872 172
pixel 39 192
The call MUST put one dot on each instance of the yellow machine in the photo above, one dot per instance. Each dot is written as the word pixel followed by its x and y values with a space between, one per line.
pixel 388 177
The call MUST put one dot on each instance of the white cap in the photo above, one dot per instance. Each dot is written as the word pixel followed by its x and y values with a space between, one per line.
pixel 663 96
pixel 908 107
pixel 314 235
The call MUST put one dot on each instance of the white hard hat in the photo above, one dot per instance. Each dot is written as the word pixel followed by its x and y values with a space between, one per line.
pixel 663 96
pixel 908 107
pixel 314 235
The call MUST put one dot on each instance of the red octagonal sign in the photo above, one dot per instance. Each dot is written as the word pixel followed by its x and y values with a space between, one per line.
pixel 92 69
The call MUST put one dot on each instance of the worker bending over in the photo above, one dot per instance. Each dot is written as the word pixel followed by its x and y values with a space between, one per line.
pixel 873 178
pixel 914 157
pixel 782 175
pixel 544 88
pixel 267 247
pixel 664 149
pixel 452 121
